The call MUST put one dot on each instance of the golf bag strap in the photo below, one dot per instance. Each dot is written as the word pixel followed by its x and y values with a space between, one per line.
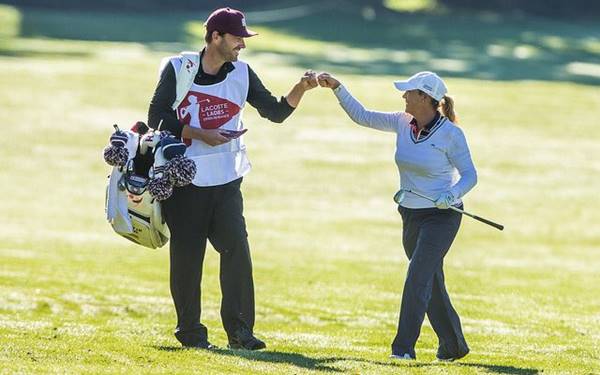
pixel 186 67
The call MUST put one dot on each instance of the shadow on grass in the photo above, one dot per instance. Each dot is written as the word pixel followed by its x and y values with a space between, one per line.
pixel 9 52
pixel 294 359
pixel 328 363
pixel 499 369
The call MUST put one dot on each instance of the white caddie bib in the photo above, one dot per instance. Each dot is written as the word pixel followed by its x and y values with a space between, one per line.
pixel 217 106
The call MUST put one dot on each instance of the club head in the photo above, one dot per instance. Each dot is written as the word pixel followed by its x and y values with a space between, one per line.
pixel 399 196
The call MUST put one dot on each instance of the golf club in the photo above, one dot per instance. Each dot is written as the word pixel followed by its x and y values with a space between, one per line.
pixel 399 196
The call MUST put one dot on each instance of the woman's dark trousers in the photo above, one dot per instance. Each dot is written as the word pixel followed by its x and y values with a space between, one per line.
pixel 427 236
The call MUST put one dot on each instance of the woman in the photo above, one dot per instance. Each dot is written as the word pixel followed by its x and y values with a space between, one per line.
pixel 434 161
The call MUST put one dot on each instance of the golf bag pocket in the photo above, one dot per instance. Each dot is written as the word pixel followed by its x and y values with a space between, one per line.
pixel 144 231
pixel 141 220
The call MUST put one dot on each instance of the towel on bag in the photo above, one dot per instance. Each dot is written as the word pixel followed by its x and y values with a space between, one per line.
pixel 116 206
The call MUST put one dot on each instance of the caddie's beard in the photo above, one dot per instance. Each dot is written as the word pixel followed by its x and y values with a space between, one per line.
pixel 226 53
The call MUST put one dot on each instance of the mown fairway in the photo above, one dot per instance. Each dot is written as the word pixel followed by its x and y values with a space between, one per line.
pixel 325 235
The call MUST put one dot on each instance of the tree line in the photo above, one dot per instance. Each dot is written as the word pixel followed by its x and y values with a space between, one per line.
pixel 547 8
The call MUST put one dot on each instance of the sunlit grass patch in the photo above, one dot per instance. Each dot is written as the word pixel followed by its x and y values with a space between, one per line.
pixel 410 5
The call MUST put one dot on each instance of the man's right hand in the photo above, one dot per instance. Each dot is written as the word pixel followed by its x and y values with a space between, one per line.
pixel 309 80
pixel 211 137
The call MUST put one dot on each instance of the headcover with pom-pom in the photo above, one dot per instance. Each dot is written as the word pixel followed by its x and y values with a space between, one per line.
pixel 172 147
pixel 116 153
pixel 181 170
pixel 171 167
pixel 116 156
pixel 160 188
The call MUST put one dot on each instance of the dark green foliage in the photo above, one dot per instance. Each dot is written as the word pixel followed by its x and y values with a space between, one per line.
pixel 137 5
pixel 549 8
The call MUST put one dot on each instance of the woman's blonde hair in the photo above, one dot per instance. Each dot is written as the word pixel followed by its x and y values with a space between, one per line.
pixel 447 105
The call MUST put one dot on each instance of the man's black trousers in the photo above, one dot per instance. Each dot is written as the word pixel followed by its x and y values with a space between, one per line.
pixel 427 236
pixel 193 215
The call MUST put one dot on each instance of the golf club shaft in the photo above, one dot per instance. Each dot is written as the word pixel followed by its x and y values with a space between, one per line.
pixel 478 218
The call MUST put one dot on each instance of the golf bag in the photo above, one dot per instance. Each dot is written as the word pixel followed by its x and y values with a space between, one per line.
pixel 130 208
pixel 147 165
pixel 148 227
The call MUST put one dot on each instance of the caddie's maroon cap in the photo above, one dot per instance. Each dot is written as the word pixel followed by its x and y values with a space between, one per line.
pixel 227 20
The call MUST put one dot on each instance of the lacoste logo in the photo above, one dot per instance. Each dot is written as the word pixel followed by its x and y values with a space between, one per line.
pixel 436 147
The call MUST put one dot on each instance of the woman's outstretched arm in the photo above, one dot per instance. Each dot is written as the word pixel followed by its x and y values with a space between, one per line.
pixel 384 121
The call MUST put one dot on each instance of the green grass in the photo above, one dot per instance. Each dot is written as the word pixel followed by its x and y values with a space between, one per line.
pixel 325 236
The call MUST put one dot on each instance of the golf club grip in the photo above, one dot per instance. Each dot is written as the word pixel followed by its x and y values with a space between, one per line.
pixel 488 222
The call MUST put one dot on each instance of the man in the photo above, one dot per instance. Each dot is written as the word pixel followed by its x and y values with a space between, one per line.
pixel 208 118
